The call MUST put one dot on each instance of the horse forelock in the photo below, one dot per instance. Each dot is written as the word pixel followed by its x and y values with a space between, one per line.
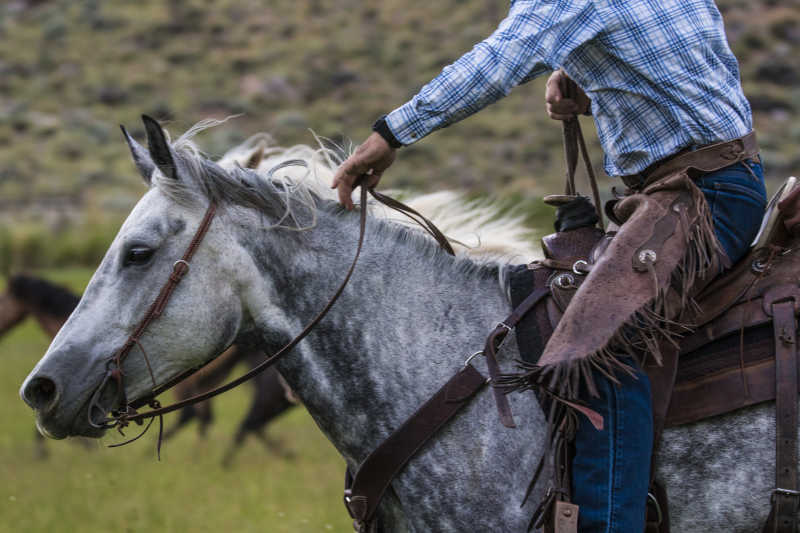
pixel 294 194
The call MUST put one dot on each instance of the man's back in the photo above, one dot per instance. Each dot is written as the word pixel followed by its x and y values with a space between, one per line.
pixel 661 76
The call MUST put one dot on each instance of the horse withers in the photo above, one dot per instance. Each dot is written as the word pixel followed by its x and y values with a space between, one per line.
pixel 406 323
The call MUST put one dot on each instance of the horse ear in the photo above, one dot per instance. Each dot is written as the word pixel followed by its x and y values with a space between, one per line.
pixel 141 157
pixel 160 152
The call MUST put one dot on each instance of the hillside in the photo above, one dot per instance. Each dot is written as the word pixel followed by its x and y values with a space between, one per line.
pixel 70 72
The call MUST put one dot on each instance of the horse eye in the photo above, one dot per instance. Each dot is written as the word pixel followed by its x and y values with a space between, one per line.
pixel 138 256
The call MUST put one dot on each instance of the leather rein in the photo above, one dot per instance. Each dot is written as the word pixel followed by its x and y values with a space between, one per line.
pixel 127 413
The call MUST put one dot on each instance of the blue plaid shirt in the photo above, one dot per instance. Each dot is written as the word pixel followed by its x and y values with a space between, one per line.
pixel 660 75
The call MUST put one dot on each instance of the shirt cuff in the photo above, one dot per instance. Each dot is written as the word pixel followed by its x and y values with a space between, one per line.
pixel 381 128
pixel 407 125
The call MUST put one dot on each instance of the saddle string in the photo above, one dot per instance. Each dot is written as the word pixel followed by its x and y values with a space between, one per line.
pixel 773 252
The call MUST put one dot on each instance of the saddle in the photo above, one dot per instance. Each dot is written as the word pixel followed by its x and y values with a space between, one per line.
pixel 742 348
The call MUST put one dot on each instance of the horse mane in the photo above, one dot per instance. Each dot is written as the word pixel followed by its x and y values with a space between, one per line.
pixel 295 182
pixel 44 296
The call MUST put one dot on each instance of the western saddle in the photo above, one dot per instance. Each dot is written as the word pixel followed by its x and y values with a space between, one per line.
pixel 742 350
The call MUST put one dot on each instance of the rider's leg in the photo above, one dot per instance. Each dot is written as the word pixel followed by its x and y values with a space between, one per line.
pixel 611 468
pixel 610 472
pixel 736 196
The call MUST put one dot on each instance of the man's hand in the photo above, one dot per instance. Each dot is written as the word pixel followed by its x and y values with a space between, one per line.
pixel 559 107
pixel 370 159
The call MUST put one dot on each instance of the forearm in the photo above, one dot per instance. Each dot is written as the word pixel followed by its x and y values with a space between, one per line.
pixel 514 53
pixel 453 96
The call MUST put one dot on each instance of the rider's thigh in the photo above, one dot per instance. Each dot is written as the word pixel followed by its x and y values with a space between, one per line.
pixel 737 198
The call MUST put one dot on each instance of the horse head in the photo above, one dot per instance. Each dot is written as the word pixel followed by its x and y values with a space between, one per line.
pixel 203 316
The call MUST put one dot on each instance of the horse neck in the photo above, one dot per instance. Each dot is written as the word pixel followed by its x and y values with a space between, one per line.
pixel 405 324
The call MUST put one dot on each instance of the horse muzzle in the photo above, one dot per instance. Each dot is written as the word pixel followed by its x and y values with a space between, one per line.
pixel 56 416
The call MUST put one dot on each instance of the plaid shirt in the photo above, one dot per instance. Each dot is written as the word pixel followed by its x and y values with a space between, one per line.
pixel 660 75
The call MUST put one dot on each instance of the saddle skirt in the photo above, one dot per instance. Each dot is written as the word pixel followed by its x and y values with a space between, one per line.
pixel 727 361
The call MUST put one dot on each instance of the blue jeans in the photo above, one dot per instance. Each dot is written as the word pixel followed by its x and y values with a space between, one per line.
pixel 611 468
pixel 737 198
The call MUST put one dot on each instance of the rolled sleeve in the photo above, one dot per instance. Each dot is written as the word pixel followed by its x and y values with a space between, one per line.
pixel 533 39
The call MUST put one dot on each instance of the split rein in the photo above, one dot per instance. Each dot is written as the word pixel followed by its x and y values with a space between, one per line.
pixel 122 417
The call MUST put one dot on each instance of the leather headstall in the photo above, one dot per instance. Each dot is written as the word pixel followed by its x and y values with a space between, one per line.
pixel 121 418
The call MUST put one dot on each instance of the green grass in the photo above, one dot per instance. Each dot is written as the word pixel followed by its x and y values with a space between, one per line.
pixel 100 489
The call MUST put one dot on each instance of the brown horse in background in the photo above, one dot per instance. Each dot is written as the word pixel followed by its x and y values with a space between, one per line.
pixel 51 305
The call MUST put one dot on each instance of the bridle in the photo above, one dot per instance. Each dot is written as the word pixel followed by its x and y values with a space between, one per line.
pixel 127 411
pixel 122 417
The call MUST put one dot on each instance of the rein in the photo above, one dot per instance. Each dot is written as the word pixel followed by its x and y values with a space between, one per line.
pixel 122 417
pixel 573 144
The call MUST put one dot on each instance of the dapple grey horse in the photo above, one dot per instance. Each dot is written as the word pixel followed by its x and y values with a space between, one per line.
pixel 407 321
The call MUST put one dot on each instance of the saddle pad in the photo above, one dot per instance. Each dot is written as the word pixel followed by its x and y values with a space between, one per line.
pixel 534 329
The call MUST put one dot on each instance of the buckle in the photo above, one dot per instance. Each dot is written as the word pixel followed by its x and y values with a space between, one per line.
pixel 784 492
pixel 651 500
pixel 180 271
pixel 732 150
pixel 565 281
pixel 504 326
pixel 508 329
pixel 580 267
pixel 347 494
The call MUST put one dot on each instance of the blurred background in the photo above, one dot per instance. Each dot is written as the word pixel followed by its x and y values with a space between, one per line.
pixel 72 71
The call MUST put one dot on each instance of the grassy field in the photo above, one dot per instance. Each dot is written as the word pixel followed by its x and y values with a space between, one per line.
pixel 98 489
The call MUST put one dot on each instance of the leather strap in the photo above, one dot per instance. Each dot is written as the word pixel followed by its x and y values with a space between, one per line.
pixel 363 494
pixel 414 215
pixel 495 340
pixel 573 141
pixel 179 269
pixel 565 517
pixel 377 471
pixel 785 497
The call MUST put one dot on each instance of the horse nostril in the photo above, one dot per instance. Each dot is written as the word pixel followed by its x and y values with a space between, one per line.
pixel 40 393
